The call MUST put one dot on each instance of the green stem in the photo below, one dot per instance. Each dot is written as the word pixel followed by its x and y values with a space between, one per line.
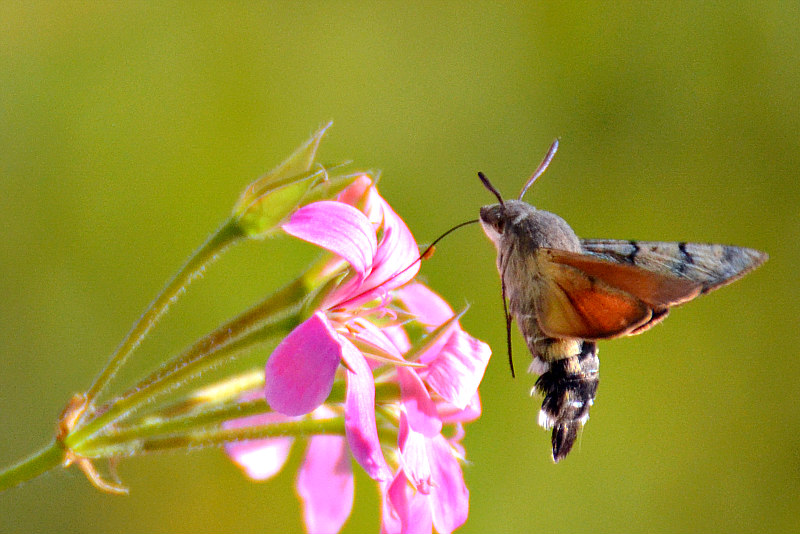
pixel 277 314
pixel 199 418
pixel 107 446
pixel 126 406
pixel 183 432
pixel 280 304
pixel 183 424
pixel 228 234
pixel 34 465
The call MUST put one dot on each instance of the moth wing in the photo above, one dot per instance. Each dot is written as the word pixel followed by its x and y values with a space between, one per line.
pixel 710 266
pixel 656 289
pixel 572 304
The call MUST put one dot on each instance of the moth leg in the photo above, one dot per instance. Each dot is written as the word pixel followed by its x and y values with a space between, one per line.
pixel 508 331
pixel 509 318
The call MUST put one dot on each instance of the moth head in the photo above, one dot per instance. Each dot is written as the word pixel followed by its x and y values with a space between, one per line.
pixel 495 217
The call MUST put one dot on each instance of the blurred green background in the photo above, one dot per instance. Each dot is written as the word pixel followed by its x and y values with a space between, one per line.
pixel 127 132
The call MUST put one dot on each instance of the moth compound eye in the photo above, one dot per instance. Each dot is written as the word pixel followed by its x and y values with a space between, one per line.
pixel 493 216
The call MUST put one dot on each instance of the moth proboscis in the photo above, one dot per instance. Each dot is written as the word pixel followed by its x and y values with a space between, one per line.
pixel 567 293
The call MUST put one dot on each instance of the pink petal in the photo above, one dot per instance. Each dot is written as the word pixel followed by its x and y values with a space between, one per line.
pixel 363 195
pixel 449 494
pixel 457 371
pixel 339 228
pixel 356 193
pixel 371 334
pixel 398 336
pixel 419 408
pixel 390 520
pixel 430 309
pixel 260 459
pixel 359 415
pixel 455 441
pixel 449 413
pixel 325 485
pixel 395 261
pixel 373 206
pixel 405 511
pixel 398 251
pixel 300 372
pixel 414 456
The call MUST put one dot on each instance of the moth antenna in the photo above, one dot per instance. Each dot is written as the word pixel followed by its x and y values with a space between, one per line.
pixel 488 185
pixel 540 169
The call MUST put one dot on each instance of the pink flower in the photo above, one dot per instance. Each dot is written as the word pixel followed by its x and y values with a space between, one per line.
pixel 429 487
pixel 363 325
pixel 441 500
pixel 326 471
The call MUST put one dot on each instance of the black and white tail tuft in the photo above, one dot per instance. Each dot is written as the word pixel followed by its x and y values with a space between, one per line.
pixel 569 387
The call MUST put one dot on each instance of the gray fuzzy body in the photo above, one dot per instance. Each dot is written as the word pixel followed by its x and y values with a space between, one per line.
pixel 518 231
pixel 568 367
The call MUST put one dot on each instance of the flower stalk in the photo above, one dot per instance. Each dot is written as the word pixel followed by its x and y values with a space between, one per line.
pixel 368 367
pixel 31 467
pixel 274 317
pixel 113 445
pixel 226 236
pixel 257 214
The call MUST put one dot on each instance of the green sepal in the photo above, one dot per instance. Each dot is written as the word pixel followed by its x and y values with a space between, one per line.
pixel 296 165
pixel 330 187
pixel 436 334
pixel 265 213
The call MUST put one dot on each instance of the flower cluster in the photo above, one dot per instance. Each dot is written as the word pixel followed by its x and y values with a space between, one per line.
pixel 373 368
pixel 410 377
